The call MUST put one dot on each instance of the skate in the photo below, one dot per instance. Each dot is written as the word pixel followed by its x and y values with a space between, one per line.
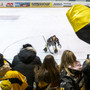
pixel 45 49
pixel 55 51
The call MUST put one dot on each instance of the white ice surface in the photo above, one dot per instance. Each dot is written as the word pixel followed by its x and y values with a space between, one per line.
pixel 19 26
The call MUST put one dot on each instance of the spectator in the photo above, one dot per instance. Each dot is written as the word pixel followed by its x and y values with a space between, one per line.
pixel 5 61
pixel 86 71
pixel 17 80
pixel 48 74
pixel 71 77
pixel 25 62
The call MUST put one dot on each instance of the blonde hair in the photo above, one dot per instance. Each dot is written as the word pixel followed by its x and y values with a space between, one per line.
pixel 6 85
pixel 68 58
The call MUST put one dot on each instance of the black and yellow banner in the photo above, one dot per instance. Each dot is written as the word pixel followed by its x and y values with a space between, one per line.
pixel 79 17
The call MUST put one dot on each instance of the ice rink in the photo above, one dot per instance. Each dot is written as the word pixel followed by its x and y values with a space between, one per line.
pixel 19 26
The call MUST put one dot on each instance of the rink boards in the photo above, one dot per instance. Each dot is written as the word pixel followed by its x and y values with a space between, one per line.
pixel 38 4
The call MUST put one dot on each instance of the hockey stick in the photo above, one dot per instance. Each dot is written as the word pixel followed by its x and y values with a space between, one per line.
pixel 60 46
pixel 47 45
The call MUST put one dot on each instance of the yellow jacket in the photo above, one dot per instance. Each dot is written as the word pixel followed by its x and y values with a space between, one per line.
pixel 17 80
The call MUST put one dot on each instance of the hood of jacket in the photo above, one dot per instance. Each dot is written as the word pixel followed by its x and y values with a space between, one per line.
pixel 76 66
pixel 76 69
pixel 27 55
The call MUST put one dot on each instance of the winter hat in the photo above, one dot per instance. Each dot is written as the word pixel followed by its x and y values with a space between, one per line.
pixel 1 60
pixel 6 85
pixel 27 45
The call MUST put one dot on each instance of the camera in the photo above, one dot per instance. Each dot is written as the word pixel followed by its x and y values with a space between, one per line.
pixel 88 56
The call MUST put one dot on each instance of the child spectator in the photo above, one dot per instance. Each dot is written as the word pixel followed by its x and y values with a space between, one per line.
pixel 71 77
pixel 25 61
pixel 17 80
pixel 48 74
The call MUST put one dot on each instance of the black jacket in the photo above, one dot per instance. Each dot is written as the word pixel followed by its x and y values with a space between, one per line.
pixel 25 62
pixel 86 71
pixel 68 82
